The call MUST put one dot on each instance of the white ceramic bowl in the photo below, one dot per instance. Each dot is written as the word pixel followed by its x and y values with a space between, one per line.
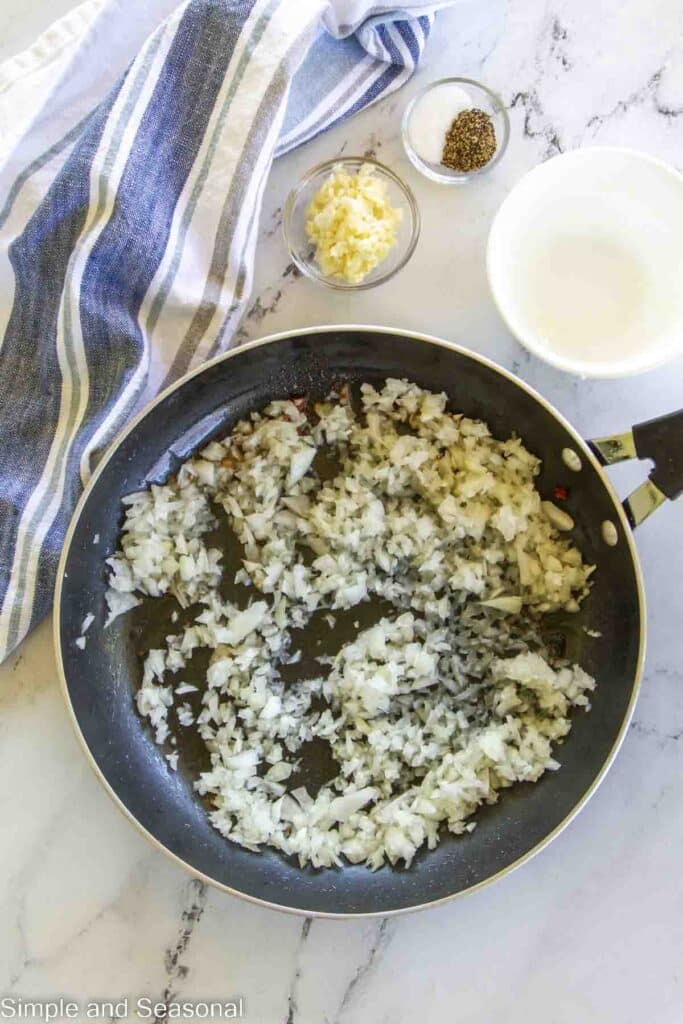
pixel 585 262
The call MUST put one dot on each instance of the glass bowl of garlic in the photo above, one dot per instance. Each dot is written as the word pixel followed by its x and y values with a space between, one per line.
pixel 351 223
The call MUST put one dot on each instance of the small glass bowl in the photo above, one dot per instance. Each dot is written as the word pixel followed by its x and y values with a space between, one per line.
pixel 483 99
pixel 302 251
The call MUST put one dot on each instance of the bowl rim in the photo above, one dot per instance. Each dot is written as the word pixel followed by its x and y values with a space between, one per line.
pixel 608 369
pixel 329 165
pixel 447 176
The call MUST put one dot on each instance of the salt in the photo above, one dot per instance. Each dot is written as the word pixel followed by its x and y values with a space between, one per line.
pixel 431 118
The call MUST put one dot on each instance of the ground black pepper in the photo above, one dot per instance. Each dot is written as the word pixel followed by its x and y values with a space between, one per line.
pixel 470 142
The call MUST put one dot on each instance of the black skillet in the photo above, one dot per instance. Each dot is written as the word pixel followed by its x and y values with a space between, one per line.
pixel 100 681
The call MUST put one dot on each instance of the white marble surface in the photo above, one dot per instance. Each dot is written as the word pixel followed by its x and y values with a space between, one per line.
pixel 591 931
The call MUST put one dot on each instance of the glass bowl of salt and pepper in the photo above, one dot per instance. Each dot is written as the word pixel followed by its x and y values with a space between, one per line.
pixel 454 130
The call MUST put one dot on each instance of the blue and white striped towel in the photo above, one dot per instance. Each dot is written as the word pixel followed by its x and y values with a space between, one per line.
pixel 128 217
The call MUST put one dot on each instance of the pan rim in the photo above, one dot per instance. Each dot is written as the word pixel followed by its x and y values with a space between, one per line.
pixel 586 453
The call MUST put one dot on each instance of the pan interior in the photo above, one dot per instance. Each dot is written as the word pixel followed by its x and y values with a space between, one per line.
pixel 102 679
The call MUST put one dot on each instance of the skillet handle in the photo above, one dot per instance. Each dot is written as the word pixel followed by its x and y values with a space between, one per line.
pixel 661 440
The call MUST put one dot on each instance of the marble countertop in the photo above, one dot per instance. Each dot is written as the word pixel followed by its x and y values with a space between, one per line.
pixel 590 931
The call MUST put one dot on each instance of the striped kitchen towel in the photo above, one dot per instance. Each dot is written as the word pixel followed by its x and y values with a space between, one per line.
pixel 129 210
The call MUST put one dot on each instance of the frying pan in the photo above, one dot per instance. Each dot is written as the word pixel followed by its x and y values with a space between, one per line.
pixel 99 682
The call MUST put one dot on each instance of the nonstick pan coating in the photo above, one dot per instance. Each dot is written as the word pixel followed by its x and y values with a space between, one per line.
pixel 101 680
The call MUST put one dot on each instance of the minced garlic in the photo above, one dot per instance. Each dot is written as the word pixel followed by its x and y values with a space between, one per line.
pixel 352 224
